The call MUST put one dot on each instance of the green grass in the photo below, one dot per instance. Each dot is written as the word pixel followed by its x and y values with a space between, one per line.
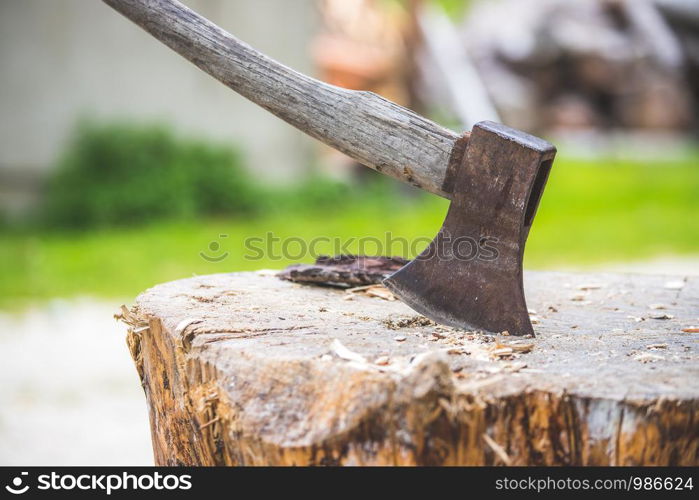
pixel 609 211
pixel 616 211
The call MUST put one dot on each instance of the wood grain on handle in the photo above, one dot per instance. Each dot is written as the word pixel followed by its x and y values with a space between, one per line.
pixel 372 130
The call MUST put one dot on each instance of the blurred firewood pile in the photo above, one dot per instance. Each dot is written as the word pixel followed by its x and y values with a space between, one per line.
pixel 586 64
pixel 361 46
pixel 538 65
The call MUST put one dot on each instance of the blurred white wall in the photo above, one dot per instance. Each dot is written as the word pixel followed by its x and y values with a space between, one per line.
pixel 60 59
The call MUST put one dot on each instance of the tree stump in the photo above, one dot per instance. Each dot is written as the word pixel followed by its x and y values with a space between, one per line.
pixel 246 369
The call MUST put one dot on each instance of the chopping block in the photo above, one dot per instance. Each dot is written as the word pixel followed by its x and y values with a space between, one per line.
pixel 246 369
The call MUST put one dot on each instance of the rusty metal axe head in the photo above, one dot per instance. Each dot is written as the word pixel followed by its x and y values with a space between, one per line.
pixel 470 276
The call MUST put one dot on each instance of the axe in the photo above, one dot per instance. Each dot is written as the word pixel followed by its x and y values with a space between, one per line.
pixel 470 276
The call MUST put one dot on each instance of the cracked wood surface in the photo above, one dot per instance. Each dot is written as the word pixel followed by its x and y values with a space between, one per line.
pixel 245 368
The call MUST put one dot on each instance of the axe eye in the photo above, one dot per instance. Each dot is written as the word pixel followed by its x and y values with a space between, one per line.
pixel 536 192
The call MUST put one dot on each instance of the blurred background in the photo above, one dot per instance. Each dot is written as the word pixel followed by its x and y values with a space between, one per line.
pixel 122 165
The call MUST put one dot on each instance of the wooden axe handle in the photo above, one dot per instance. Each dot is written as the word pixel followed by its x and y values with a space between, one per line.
pixel 372 130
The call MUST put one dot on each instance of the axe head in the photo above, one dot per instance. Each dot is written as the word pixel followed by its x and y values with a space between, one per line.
pixel 470 276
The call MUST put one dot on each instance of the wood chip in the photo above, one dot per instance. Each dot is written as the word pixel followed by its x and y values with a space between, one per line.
pixel 400 338
pixel 501 352
pixel 381 292
pixel 382 360
pixel 522 348
pixel 691 329
pixel 511 348
pixel 125 315
pixel 344 353
pixel 646 357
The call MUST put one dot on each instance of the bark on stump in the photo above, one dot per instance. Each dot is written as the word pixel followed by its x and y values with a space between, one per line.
pixel 245 369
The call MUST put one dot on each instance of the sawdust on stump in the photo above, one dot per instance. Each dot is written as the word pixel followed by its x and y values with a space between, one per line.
pixel 248 369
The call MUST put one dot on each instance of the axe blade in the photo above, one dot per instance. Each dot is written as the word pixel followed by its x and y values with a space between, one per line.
pixel 470 276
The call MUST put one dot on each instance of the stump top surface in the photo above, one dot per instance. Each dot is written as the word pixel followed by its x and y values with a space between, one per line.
pixel 598 335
